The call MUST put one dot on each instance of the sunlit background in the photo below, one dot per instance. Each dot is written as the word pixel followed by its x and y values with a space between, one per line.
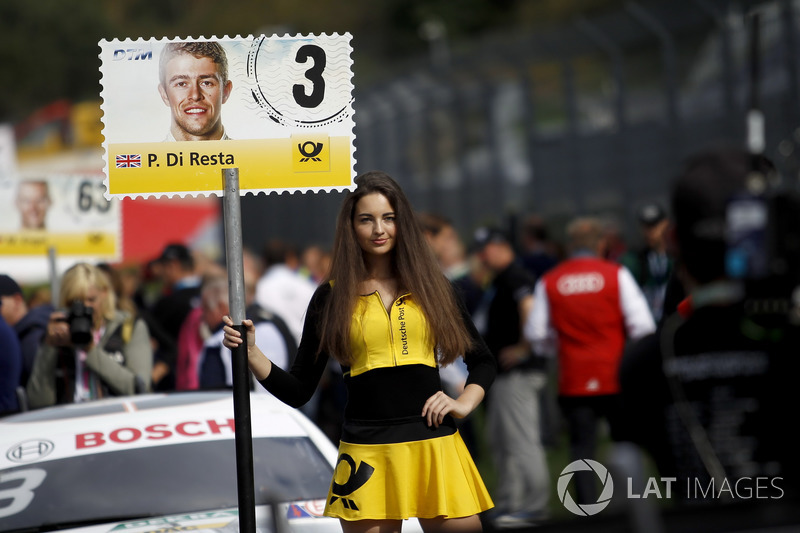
pixel 485 111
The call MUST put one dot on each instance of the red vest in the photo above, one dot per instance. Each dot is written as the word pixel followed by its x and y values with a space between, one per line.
pixel 586 313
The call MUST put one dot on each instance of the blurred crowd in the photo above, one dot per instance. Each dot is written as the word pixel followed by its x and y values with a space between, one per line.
pixel 557 314
pixel 157 326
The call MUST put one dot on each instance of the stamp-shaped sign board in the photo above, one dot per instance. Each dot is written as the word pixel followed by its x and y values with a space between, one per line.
pixel 178 111
pixel 68 212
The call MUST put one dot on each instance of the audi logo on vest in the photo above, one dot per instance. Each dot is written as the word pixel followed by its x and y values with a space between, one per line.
pixel 584 283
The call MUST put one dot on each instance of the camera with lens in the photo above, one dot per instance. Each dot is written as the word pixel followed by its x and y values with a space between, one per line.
pixel 79 318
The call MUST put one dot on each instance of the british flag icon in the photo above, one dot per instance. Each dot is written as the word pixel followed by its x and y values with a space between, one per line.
pixel 129 161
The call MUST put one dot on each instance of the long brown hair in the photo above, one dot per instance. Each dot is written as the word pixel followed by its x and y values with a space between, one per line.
pixel 415 267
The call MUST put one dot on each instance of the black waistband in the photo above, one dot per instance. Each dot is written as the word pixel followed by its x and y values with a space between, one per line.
pixel 395 430
pixel 392 393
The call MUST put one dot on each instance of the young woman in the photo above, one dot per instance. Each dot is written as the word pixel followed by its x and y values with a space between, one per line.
pixel 114 359
pixel 390 317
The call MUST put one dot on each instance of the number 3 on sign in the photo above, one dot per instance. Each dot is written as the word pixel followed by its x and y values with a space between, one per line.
pixel 298 80
pixel 314 74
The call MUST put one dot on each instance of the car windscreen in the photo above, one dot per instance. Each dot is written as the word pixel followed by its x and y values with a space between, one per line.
pixel 158 480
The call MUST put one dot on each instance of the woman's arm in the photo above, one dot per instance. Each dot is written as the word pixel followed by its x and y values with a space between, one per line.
pixel 481 368
pixel 481 363
pixel 297 386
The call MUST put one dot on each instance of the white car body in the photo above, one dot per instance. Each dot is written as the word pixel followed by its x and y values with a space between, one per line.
pixel 119 465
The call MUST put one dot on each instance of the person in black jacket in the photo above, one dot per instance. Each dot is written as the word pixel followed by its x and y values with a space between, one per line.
pixel 181 295
pixel 513 408
pixel 30 324
pixel 706 396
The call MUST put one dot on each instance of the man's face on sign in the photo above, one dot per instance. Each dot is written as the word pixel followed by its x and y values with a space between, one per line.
pixel 194 92
pixel 33 201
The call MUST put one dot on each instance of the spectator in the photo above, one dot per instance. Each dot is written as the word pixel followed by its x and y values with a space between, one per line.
pixel 586 308
pixel 198 326
pixel 181 287
pixel 614 241
pixel 538 253
pixel 10 368
pixel 30 324
pixel 707 395
pixel 281 289
pixel 39 295
pixel 651 264
pixel 316 263
pixel 86 354
pixel 253 268
pixel 284 291
pixel 124 285
pixel 513 406
pixel 452 257
pixel 214 363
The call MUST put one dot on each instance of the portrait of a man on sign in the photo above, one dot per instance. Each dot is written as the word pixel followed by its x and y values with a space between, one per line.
pixel 33 202
pixel 194 84
pixel 65 211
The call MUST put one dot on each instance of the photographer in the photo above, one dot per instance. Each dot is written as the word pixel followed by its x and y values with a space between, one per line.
pixel 87 352
pixel 709 395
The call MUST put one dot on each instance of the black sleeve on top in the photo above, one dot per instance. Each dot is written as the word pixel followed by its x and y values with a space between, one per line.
pixel 296 386
pixel 481 364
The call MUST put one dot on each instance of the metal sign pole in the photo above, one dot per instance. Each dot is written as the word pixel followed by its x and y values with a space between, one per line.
pixel 55 288
pixel 241 383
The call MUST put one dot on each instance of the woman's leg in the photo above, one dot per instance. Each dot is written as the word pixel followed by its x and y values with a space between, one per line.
pixel 371 526
pixel 466 524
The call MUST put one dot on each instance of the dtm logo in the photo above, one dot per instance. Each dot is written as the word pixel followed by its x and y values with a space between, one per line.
pixel 566 477
pixel 132 54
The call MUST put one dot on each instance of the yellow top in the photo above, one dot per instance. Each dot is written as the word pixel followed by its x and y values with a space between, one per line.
pixel 381 339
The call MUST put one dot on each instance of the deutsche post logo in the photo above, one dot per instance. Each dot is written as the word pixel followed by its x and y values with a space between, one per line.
pixel 357 478
pixel 311 152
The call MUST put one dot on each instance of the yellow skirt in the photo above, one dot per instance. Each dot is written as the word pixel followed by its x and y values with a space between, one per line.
pixel 422 478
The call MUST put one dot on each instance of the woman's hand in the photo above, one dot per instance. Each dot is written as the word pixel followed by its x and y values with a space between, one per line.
pixel 58 330
pixel 233 337
pixel 440 404
pixel 259 364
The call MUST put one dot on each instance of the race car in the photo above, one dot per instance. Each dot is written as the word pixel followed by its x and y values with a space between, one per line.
pixel 160 463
